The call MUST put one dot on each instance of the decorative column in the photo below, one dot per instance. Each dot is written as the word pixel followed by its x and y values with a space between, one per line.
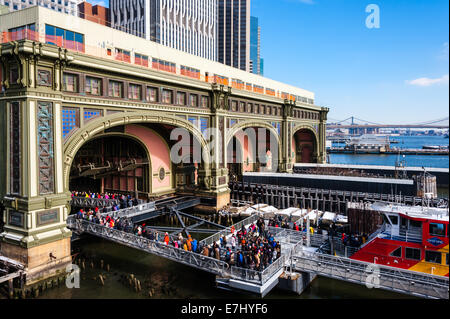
pixel 285 156
pixel 219 171
pixel 36 205
pixel 322 135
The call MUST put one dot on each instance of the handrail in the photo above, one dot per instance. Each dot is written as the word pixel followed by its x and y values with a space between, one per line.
pixel 177 254
pixel 227 231
pixel 390 278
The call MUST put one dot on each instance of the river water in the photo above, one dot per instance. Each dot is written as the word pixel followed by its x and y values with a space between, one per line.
pixel 167 279
pixel 172 280
pixel 416 142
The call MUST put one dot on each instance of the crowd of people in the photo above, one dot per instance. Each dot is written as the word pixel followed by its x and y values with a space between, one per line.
pixel 252 248
pixel 279 222
pixel 353 240
pixel 123 201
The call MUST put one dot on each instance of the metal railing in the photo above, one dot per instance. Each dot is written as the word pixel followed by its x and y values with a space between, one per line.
pixel 409 237
pixel 384 277
pixel 93 202
pixel 132 211
pixel 226 232
pixel 209 264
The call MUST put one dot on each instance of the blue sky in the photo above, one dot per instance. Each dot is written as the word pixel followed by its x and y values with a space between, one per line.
pixel 397 73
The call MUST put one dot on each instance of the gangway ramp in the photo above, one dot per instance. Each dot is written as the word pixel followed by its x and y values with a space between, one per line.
pixel 234 277
pixel 373 275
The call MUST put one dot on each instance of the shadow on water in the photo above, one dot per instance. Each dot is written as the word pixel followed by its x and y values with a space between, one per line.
pixel 164 279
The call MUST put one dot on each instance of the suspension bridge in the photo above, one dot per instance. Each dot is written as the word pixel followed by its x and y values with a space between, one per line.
pixel 355 123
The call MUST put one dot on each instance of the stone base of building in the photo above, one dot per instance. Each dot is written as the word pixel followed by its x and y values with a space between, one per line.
pixel 40 262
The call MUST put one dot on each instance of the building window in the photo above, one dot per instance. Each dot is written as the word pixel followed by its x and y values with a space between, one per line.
pixel 64 38
pixel 123 55
pixel 412 253
pixel 115 88
pixel 256 109
pixel 141 59
pixel 152 94
pixel 204 101
pixel 167 96
pixel 242 107
pixel 13 74
pixel 193 100
pixel 188 71
pixel 134 91
pixel 234 105
pixel 70 82
pixel 433 256
pixel 24 32
pixel 163 65
pixel 181 98
pixel 70 120
pixel 93 86
pixel 91 113
pixel 437 229
pixel 203 125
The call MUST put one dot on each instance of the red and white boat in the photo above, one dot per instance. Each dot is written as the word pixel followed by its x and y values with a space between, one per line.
pixel 414 238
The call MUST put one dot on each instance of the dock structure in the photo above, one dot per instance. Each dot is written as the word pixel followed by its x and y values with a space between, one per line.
pixel 442 174
pixel 11 270
pixel 322 199
pixel 300 262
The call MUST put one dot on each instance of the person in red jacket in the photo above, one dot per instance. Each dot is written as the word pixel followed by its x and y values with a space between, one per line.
pixel 166 239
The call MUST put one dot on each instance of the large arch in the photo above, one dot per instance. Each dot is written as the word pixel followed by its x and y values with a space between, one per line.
pixel 98 126
pixel 124 136
pixel 305 137
pixel 246 147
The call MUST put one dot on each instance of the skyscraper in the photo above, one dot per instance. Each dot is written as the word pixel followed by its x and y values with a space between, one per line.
pixel 64 6
pixel 255 47
pixel 188 25
pixel 234 33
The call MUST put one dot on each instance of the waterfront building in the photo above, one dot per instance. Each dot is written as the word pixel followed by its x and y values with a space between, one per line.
pixel 77 95
pixel 234 33
pixel 64 6
pixel 189 26
pixel 256 65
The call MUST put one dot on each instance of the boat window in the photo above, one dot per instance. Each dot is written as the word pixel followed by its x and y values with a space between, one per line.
pixel 397 252
pixel 433 256
pixel 415 223
pixel 394 219
pixel 412 253
pixel 404 221
pixel 437 229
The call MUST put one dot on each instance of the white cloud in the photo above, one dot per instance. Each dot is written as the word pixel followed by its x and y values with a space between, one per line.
pixel 444 51
pixel 428 82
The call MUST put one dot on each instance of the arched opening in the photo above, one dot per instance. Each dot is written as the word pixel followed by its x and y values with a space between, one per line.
pixel 138 159
pixel 114 163
pixel 305 146
pixel 252 149
pixel 235 158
